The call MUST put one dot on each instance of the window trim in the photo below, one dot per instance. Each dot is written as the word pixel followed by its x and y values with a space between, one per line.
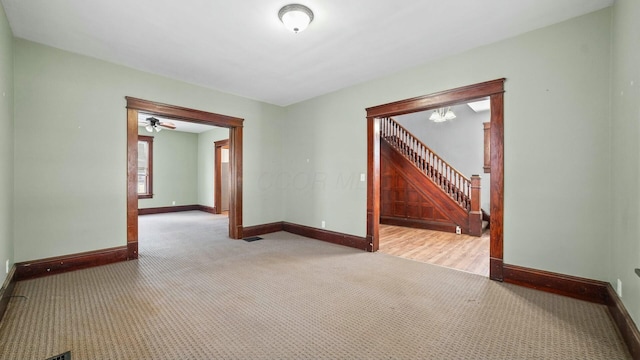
pixel 149 193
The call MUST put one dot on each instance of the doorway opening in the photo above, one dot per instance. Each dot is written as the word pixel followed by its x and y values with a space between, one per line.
pixel 221 177
pixel 494 90
pixel 235 126
pixel 414 223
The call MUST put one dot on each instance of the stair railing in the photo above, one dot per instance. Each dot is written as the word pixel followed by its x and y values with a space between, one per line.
pixel 450 180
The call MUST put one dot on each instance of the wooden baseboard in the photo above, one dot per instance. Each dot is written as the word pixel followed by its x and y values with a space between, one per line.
pixel 168 209
pixel 328 236
pixel 624 322
pixel 56 265
pixel 7 290
pixel 572 286
pixel 256 230
pixel 209 209
pixel 418 224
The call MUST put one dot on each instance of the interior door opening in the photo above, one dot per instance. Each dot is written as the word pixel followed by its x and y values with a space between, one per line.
pixel 235 126
pixel 221 177
pixel 494 90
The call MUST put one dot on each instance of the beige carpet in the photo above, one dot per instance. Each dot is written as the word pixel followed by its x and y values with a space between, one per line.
pixel 194 294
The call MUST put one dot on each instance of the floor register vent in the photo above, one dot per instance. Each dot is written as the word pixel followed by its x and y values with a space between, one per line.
pixel 65 356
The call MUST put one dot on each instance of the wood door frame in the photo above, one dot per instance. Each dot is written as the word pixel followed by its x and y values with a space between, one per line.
pixel 495 91
pixel 217 176
pixel 235 126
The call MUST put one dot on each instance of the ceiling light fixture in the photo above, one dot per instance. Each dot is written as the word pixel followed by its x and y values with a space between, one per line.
pixel 441 115
pixel 152 123
pixel 295 17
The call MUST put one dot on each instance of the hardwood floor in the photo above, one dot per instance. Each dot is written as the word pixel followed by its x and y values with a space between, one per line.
pixel 461 252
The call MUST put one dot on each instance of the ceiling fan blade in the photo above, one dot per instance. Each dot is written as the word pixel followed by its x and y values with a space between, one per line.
pixel 168 125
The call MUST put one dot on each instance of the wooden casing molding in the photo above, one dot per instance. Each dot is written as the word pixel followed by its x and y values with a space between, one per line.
pixel 234 125
pixel 495 91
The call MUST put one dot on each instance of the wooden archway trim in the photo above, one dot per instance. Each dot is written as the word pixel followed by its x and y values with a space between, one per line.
pixel 495 91
pixel 234 125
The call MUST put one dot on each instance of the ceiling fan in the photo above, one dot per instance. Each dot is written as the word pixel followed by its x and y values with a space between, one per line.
pixel 152 123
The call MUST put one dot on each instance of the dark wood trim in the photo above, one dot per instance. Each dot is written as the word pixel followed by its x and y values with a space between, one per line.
pixel 168 209
pixel 326 235
pixel 61 264
pixel 495 91
pixel 149 141
pixel 255 230
pixel 418 224
pixel 190 115
pixel 217 174
pixel 567 285
pixel 496 194
pixel 132 176
pixel 438 99
pixel 207 209
pixel 624 322
pixel 235 188
pixel 181 113
pixel 132 250
pixel 373 183
pixel 7 290
pixel 595 291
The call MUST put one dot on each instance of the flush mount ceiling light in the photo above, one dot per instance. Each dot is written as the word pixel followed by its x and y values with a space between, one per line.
pixel 440 115
pixel 295 17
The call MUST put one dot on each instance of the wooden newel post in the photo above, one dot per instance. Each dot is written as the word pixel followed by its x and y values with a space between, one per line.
pixel 475 215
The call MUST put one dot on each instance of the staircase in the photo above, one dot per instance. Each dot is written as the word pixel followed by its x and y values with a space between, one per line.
pixel 420 189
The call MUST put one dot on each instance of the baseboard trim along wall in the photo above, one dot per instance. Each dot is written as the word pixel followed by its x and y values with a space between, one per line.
pixel 209 209
pixel 168 209
pixel 7 290
pixel 572 286
pixel 418 224
pixel 249 231
pixel 624 322
pixel 307 231
pixel 57 265
pixel 600 292
pixel 328 236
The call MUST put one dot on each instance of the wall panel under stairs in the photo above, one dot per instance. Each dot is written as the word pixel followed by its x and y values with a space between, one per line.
pixel 408 198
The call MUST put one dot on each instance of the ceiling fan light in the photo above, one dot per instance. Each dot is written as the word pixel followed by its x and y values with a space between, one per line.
pixel 295 17
pixel 149 128
pixel 158 128
pixel 449 115
pixel 434 116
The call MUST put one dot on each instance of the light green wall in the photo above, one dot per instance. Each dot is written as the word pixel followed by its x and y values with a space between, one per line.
pixel 175 169
pixel 206 160
pixel 70 148
pixel 556 143
pixel 625 101
pixel 6 144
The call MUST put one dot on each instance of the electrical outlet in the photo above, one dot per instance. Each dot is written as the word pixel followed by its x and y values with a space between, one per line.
pixel 6 266
pixel 619 288
pixel 458 230
pixel 173 202
pixel 323 224
pixel 362 177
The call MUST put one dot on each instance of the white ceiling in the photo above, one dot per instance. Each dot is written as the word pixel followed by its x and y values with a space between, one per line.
pixel 240 46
